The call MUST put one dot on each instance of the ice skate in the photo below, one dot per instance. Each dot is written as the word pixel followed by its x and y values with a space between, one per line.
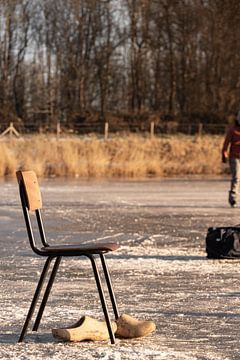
pixel 231 199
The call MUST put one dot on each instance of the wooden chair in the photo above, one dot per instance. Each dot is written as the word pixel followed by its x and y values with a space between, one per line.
pixel 32 204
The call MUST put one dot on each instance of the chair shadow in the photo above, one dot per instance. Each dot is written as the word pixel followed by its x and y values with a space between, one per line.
pixel 171 258
pixel 8 338
pixel 31 338
pixel 158 257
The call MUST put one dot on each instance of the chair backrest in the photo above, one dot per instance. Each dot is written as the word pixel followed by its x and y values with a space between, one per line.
pixel 28 183
pixel 31 202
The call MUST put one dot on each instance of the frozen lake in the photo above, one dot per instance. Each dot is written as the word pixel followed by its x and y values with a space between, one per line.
pixel 159 273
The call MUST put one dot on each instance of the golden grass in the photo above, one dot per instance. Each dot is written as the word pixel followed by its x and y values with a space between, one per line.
pixel 121 156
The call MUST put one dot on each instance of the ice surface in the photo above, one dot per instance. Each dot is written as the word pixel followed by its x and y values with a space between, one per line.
pixel 159 273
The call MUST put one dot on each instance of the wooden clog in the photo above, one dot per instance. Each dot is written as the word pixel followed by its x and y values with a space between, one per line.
pixel 129 327
pixel 86 328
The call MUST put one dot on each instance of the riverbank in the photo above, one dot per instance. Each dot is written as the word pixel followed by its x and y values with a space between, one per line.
pixel 128 156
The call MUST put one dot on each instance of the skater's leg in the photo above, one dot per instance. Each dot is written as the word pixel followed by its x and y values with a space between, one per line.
pixel 235 172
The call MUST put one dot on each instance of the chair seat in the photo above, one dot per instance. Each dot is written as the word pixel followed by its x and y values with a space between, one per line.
pixel 81 249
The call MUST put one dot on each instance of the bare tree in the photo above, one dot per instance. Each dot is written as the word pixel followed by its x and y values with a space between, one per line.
pixel 61 60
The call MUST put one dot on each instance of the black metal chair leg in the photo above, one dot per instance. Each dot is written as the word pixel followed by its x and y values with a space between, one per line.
pixel 109 286
pixel 46 294
pixel 102 298
pixel 35 298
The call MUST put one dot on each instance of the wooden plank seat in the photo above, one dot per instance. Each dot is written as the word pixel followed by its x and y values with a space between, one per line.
pixel 80 250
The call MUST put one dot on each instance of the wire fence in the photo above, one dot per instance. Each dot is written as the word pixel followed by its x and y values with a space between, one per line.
pixel 105 129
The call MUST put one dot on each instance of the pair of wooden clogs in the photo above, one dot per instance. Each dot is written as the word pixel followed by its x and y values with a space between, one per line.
pixel 88 328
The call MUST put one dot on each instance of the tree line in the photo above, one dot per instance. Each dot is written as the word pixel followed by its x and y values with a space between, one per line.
pixel 91 61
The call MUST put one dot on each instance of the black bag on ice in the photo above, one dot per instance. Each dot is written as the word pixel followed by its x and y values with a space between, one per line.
pixel 223 242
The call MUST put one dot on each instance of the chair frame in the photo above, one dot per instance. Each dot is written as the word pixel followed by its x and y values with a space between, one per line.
pixel 54 255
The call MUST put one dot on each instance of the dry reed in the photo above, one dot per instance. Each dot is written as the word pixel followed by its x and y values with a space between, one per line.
pixel 120 156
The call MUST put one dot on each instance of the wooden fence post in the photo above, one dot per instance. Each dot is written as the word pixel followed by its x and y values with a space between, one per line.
pixel 152 129
pixel 106 127
pixel 58 129
pixel 11 131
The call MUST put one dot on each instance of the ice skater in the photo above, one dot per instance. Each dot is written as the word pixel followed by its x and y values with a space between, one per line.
pixel 231 152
